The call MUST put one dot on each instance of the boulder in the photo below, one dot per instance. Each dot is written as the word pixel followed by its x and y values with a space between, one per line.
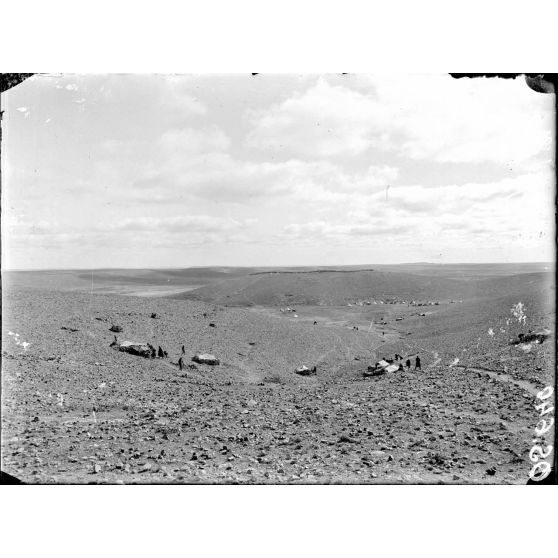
pixel 206 359
pixel 116 328
pixel 305 371
pixel 374 371
pixel 133 348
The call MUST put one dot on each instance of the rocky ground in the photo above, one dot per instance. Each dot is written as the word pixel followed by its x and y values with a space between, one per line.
pixel 77 411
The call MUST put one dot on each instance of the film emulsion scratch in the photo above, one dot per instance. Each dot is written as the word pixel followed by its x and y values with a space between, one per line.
pixel 278 279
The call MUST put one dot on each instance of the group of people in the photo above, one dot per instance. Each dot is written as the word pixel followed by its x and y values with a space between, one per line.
pixel 157 353
pixel 160 353
pixel 407 362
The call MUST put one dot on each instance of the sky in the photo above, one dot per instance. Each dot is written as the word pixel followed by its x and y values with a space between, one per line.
pixel 239 170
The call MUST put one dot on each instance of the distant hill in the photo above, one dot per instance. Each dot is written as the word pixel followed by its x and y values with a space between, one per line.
pixel 329 288
pixel 467 271
pixel 332 285
pixel 85 279
pixel 339 288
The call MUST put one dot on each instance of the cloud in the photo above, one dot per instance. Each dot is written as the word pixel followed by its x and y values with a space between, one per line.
pixel 211 176
pixel 187 223
pixel 197 162
pixel 468 120
pixel 471 212
pixel 221 177
pixel 373 227
pixel 323 121
pixel 170 98
pixel 192 141
pixel 434 118
pixel 146 162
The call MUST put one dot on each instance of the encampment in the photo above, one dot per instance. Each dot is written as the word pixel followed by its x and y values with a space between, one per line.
pixel 380 368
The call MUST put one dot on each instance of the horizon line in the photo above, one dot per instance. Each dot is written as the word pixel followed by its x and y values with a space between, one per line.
pixel 270 266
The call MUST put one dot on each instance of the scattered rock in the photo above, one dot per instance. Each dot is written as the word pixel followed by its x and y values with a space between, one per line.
pixel 377 454
pixel 116 328
pixel 206 359
pixel 347 439
pixel 305 371
pixel 133 348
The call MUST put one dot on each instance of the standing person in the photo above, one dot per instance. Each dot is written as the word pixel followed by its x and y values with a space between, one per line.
pixel 417 363
pixel 408 363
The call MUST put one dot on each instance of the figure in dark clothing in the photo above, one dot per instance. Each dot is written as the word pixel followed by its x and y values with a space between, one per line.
pixel 383 333
pixel 315 323
pixel 417 364
pixel 160 354
pixel 183 350
pixel 408 363
pixel 180 364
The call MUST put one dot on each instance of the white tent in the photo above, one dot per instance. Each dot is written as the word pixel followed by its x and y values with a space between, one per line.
pixel 387 366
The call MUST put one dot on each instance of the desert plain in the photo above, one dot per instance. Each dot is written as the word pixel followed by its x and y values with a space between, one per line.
pixel 75 410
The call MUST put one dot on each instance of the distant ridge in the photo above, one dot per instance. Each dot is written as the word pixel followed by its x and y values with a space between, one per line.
pixel 312 271
pixel 340 287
